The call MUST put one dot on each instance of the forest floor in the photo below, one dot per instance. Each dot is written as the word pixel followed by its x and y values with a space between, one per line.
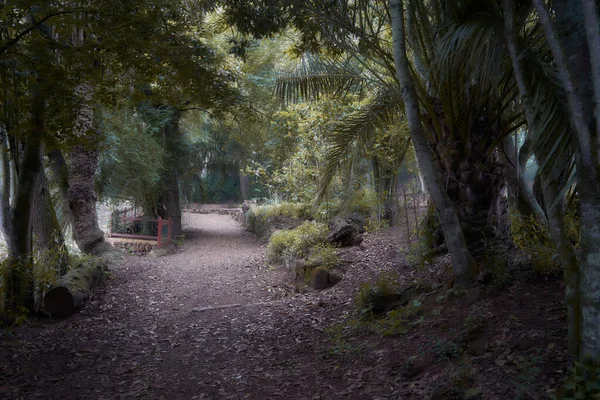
pixel 209 320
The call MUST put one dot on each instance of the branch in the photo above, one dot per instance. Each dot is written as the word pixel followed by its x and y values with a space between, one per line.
pixel 20 36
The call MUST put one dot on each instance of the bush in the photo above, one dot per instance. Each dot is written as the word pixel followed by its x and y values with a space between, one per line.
pixel 372 294
pixel 292 210
pixel 296 243
pixel 323 255
pixel 363 201
pixel 529 236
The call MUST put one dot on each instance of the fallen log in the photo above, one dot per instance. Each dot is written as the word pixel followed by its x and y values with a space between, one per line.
pixel 74 288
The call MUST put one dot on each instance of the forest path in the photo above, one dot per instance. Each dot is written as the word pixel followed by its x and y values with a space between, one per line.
pixel 148 333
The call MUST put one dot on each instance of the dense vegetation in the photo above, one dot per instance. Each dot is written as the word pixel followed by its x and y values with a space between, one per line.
pixel 333 105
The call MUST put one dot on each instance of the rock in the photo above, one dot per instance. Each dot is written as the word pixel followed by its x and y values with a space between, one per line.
pixel 158 252
pixel 335 277
pixel 343 232
pixel 358 220
pixel 319 279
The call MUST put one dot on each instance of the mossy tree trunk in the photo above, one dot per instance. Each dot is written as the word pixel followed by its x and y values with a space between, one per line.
pixel 74 288
pixel 48 239
pixel 82 162
pixel 18 279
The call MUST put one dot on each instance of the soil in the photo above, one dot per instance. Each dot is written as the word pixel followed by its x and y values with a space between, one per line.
pixel 210 320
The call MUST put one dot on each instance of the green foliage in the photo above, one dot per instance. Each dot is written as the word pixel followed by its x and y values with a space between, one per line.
pixel 448 349
pixel 220 187
pixel 179 240
pixel 337 335
pixel 363 201
pixel 296 243
pixel 132 158
pixel 529 236
pixel 324 255
pixel 573 226
pixel 373 293
pixel 45 273
pixel 396 321
pixel 420 252
pixel 582 382
pixel 374 225
pixel 260 215
pixel 528 373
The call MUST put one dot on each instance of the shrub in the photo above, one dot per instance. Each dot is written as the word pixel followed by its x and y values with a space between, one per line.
pixel 529 236
pixel 257 217
pixel 372 294
pixel 323 255
pixel 296 243
pixel 363 201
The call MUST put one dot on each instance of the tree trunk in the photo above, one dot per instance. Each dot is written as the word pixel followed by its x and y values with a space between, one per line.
pixel 474 181
pixel 170 180
pixel 568 40
pixel 74 288
pixel 463 263
pixel 60 176
pixel 550 190
pixel 171 203
pixel 5 211
pixel 19 293
pixel 524 200
pixel 244 186
pixel 82 161
pixel 48 240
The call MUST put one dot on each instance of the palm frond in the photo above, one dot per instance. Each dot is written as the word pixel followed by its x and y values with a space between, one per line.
pixel 358 130
pixel 317 76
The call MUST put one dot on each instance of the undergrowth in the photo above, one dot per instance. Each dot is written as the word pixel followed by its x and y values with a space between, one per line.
pixel 534 239
pixel 298 243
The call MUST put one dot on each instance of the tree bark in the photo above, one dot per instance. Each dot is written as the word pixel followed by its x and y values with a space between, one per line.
pixel 74 288
pixel 19 294
pixel 550 190
pixel 463 263
pixel 5 211
pixel 82 161
pixel 170 179
pixel 524 199
pixel 48 239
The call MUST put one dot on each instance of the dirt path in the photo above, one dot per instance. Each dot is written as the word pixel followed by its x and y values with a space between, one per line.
pixel 157 330
pixel 210 321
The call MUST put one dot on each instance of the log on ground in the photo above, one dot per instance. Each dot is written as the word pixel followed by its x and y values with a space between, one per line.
pixel 74 288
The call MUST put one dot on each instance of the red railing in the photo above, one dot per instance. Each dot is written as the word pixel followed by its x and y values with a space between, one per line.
pixel 158 234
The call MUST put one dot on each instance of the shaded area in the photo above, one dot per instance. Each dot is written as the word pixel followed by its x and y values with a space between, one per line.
pixel 208 320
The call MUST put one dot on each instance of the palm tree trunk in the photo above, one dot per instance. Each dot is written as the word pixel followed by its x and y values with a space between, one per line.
pixel 569 45
pixel 463 263
pixel 555 215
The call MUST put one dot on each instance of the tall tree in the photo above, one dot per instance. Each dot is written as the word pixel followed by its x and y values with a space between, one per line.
pixel 572 33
